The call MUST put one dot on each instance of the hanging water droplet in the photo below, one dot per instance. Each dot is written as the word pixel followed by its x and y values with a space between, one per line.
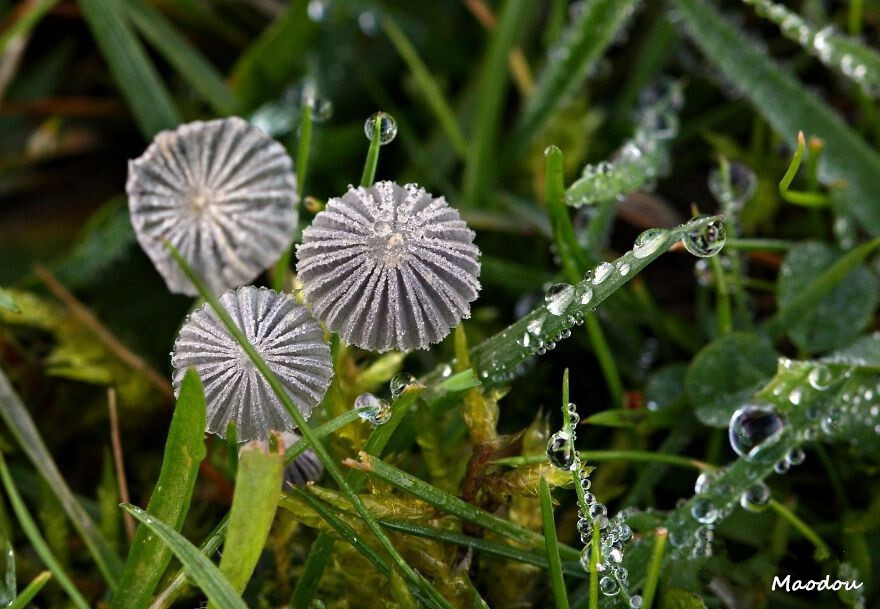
pixel 755 498
pixel 649 242
pixel 795 456
pixel 598 509
pixel 754 428
pixel 585 557
pixel 387 127
pixel 706 240
pixel 608 586
pixel 573 417
pixel 615 555
pixel 703 510
pixel 585 528
pixel 376 411
pixel 558 297
pixel 781 467
pixel 820 377
pixel 625 532
pixel 602 272
pixel 736 191
pixel 560 450
pixel 635 602
pixel 399 383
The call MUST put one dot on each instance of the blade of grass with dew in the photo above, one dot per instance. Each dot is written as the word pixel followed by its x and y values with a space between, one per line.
pixel 570 568
pixel 479 170
pixel 322 547
pixel 820 286
pixel 583 43
pixel 495 360
pixel 213 542
pixel 788 106
pixel 185 58
pixel 31 590
pixel 30 16
pixel 368 177
pixel 557 582
pixel 254 503
pixel 307 432
pixel 427 85
pixel 208 577
pixel 23 429
pixel 452 504
pixel 137 78
pixel 846 54
pixel 574 261
pixel 39 544
pixel 170 501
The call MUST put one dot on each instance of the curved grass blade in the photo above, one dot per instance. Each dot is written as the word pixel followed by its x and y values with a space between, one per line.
pixel 206 575
pixel 557 583
pixel 257 491
pixel 184 451
pixel 185 58
pixel 31 15
pixel 846 54
pixel 20 423
pixel 789 107
pixel 583 44
pixel 33 534
pixel 31 590
pixel 137 78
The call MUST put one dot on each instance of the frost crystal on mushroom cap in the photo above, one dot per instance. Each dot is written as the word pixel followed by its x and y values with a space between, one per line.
pixel 283 333
pixel 223 193
pixel 389 267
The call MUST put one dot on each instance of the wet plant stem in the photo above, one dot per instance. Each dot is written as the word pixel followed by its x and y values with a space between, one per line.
pixel 369 175
pixel 653 576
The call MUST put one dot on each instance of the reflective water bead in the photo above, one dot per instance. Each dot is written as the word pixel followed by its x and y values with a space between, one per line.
pixel 535 325
pixel 649 242
pixel 755 498
pixel 625 532
pixel 820 377
pixel 401 381
pixel 586 295
pixel 589 497
pixel 738 189
pixel 781 467
pixel 608 586
pixel 703 510
pixel 558 297
pixel 598 509
pixel 585 557
pixel 795 396
pixel 615 555
pixel 560 450
pixel 753 428
pixel 706 240
pixel 623 268
pixel 446 371
pixel 386 124
pixel 525 340
pixel 376 411
pixel 795 456
pixel 585 482
pixel 704 480
pixel 585 527
pixel 602 272
pixel 635 602
pixel 322 109
pixel 602 522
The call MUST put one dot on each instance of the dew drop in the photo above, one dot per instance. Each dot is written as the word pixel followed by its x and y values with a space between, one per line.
pixel 795 456
pixel 755 498
pixel 585 557
pixel 401 381
pixel 736 191
pixel 703 510
pixel 706 240
pixel 558 297
pixel 795 396
pixel 649 242
pixel 598 509
pixel 820 377
pixel 608 586
pixel 322 109
pixel 704 480
pixel 635 602
pixel 602 272
pixel 560 450
pixel 753 428
pixel 377 411
pixel 623 269
pixel 586 295
pixel 781 467
pixel 387 127
pixel 535 325
pixel 446 371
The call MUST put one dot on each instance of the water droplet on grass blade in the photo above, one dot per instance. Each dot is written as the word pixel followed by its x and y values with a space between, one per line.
pixel 377 411
pixel 387 127
pixel 707 240
pixel 753 428
pixel 820 377
pixel 608 586
pixel 401 381
pixel 560 450
pixel 649 242
pixel 559 297
pixel 755 498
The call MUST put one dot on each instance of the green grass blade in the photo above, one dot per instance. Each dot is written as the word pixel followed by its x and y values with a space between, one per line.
pixel 308 582
pixel 257 491
pixel 480 167
pixel 32 14
pixel 208 577
pixel 789 107
pixel 557 583
pixel 22 427
pixel 31 590
pixel 136 77
pixel 650 588
pixel 185 58
pixel 307 432
pixel 33 534
pixel 583 43
pixel 368 177
pixel 429 88
pixel 184 450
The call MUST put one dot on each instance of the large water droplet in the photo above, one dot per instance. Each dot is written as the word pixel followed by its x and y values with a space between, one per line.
pixel 649 242
pixel 602 272
pixel 376 411
pixel 558 297
pixel 753 428
pixel 560 450
pixel 387 127
pixel 707 240
pixel 399 383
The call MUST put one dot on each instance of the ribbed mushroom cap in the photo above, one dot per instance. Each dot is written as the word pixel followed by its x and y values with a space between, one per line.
pixel 389 267
pixel 285 335
pixel 223 193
